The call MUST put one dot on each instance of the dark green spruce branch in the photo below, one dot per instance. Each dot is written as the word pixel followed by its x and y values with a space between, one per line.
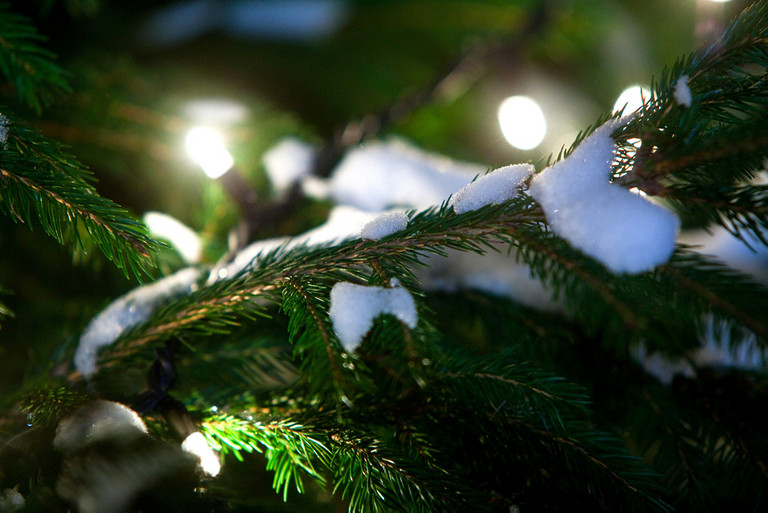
pixel 38 180
pixel 38 81
pixel 310 333
pixel 722 291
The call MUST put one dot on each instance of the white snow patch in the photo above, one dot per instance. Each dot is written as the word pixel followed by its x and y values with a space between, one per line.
pixel 127 311
pixel 381 175
pixel 662 367
pixel 184 239
pixel 682 92
pixel 3 131
pixel 96 421
pixel 491 189
pixel 196 445
pixel 717 350
pixel 496 273
pixel 385 224
pixel 730 250
pixel 288 161
pixel 11 501
pixel 354 308
pixel 343 223
pixel 624 231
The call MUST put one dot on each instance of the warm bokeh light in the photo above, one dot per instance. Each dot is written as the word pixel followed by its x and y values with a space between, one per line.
pixel 522 122
pixel 207 149
pixel 631 99
pixel 197 445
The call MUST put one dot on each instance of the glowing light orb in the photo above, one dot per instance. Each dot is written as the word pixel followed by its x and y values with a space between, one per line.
pixel 522 122
pixel 631 99
pixel 197 445
pixel 207 149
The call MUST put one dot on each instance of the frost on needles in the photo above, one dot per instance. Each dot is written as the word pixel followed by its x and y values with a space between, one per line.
pixel 622 230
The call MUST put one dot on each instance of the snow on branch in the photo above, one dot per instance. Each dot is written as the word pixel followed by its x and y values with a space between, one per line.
pixel 354 308
pixel 383 225
pixel 382 175
pixel 622 230
pixel 126 312
pixel 491 189
pixel 682 92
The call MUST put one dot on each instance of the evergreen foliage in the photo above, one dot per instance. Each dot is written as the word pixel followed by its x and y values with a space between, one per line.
pixel 486 404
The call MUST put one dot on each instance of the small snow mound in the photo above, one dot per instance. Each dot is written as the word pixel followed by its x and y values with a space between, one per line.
pixel 183 238
pixel 288 161
pixel 491 189
pixel 343 223
pixel 682 92
pixel 126 312
pixel 383 175
pixel 354 308
pixel 624 231
pixel 96 421
pixel 385 224
pixel 3 130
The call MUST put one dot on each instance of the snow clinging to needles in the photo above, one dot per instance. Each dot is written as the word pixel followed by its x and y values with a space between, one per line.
pixel 354 308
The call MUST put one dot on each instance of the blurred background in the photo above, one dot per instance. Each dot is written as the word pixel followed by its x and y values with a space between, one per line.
pixel 489 82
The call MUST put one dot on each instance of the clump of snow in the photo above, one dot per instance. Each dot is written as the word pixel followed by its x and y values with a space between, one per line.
pixel 180 236
pixel 381 175
pixel 343 222
pixel 717 350
pixel 730 250
pixel 354 308
pixel 288 161
pixel 682 92
pixel 496 272
pixel 196 445
pixel 96 421
pixel 127 311
pixel 624 231
pixel 491 189
pixel 3 131
pixel 11 501
pixel 383 225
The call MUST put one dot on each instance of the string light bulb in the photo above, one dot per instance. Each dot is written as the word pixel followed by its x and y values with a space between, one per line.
pixel 206 147
pixel 522 122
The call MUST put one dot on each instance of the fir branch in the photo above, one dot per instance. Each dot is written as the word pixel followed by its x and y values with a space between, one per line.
pixel 505 385
pixel 376 478
pixel 291 449
pixel 618 480
pixel 568 449
pixel 38 179
pixel 738 208
pixel 46 406
pixel 672 447
pixel 718 139
pixel 38 81
pixel 4 310
pixel 724 290
pixel 225 304
pixel 311 337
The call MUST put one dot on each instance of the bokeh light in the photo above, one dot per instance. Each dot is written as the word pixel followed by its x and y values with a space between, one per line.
pixel 522 122
pixel 207 149
pixel 631 99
